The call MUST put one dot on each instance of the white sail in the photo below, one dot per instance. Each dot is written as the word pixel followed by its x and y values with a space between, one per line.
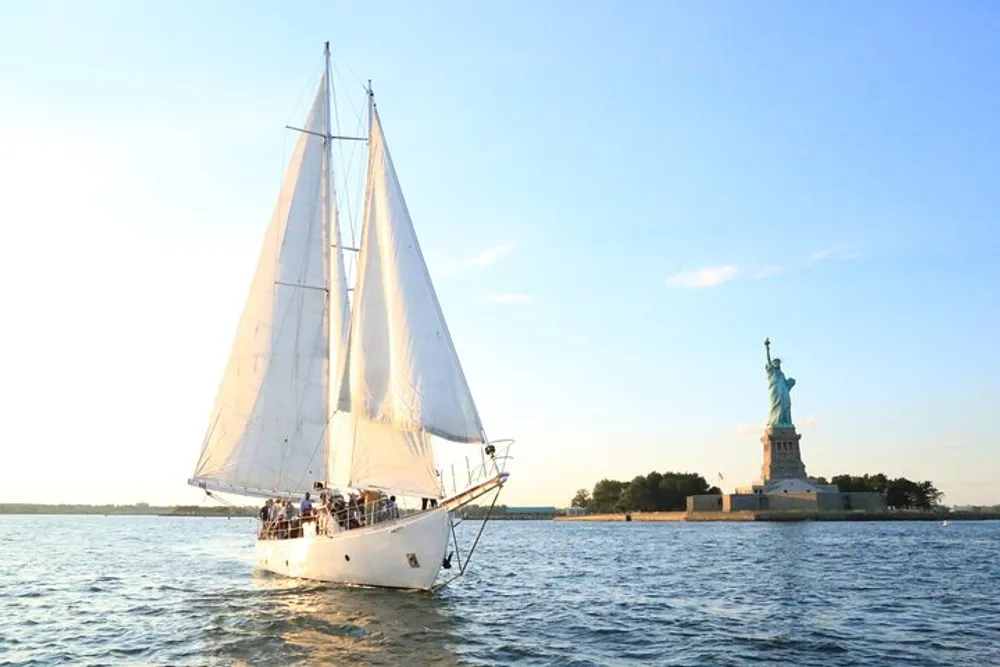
pixel 403 369
pixel 338 458
pixel 268 426
pixel 367 454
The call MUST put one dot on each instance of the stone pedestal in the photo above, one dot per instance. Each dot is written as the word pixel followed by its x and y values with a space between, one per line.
pixel 782 457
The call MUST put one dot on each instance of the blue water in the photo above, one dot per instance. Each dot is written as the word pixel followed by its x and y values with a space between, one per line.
pixel 158 591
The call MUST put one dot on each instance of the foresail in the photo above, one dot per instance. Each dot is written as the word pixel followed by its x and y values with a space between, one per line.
pixel 268 426
pixel 403 370
pixel 367 454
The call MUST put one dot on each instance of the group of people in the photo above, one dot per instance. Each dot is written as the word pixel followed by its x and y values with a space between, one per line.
pixel 281 519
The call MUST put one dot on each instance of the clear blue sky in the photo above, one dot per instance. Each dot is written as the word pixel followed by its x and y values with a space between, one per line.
pixel 649 188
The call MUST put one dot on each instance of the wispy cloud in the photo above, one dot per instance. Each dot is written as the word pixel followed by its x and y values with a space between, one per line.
pixel 489 257
pixel 718 275
pixel 482 260
pixel 707 277
pixel 508 298
pixel 808 422
pixel 841 251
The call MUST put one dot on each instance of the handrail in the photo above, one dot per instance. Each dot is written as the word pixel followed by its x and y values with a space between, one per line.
pixel 472 473
pixel 333 517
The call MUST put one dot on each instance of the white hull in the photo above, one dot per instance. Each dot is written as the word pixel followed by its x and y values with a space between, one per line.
pixel 405 553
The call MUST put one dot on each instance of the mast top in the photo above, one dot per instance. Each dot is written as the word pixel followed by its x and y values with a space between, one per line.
pixel 326 49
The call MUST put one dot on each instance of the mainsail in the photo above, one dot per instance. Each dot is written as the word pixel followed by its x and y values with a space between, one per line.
pixel 268 430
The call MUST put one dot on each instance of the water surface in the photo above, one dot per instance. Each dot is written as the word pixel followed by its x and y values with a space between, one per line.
pixel 184 591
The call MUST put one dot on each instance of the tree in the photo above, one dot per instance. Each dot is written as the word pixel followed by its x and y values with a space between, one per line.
pixel 900 493
pixel 605 496
pixel 930 496
pixel 581 499
pixel 655 492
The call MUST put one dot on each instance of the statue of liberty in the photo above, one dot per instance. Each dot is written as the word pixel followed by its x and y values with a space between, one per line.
pixel 780 388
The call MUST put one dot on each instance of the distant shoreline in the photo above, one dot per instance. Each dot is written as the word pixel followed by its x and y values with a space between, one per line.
pixel 32 509
pixel 779 516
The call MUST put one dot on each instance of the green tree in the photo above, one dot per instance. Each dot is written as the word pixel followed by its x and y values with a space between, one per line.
pixel 655 492
pixel 606 495
pixel 900 492
pixel 581 499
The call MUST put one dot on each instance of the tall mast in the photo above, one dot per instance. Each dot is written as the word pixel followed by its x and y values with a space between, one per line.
pixel 371 107
pixel 328 241
pixel 328 170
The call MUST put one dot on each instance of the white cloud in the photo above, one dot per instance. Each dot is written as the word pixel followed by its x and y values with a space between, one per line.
pixel 808 422
pixel 718 275
pixel 489 257
pixel 707 277
pixel 508 298
pixel 482 260
pixel 841 251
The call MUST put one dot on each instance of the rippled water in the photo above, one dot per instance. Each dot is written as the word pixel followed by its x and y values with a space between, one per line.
pixel 180 591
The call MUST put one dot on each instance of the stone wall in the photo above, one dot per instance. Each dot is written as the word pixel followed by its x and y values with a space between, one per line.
pixel 863 500
pixel 711 502
pixel 735 502
pixel 824 500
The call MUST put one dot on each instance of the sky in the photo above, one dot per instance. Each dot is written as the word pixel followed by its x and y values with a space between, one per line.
pixel 618 202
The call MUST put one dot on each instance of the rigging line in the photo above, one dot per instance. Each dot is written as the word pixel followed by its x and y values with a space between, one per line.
pixel 345 165
pixel 309 86
pixel 468 558
pixel 351 209
pixel 219 499
pixel 350 196
pixel 356 77
pixel 358 113
pixel 360 116
pixel 319 444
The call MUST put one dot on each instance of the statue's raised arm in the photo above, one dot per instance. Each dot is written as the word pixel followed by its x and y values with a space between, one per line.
pixel 767 346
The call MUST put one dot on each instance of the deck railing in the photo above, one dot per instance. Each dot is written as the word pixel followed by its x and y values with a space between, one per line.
pixel 470 471
pixel 339 513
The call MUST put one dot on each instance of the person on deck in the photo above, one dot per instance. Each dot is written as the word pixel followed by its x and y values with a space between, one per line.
pixel 306 507
pixel 353 512
pixel 339 510
pixel 265 519
pixel 392 510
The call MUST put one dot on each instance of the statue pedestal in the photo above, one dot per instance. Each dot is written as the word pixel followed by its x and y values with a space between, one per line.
pixel 782 457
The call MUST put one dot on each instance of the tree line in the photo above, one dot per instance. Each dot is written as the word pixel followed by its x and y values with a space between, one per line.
pixel 655 492
pixel 139 509
pixel 900 493
pixel 668 492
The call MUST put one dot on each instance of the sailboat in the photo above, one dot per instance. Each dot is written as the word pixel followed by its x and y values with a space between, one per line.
pixel 340 391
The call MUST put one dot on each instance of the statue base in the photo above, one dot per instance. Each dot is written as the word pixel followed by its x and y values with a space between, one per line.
pixel 782 456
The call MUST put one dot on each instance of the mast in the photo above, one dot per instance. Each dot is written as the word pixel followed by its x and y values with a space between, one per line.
pixel 328 241
pixel 371 106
